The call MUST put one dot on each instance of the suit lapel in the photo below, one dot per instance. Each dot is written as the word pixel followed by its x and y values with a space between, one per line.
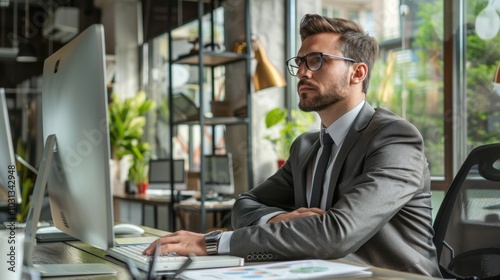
pixel 360 123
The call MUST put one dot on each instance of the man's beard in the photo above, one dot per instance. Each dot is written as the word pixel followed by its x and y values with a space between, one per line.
pixel 324 100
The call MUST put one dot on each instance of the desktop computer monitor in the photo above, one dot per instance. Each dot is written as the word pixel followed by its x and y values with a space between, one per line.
pixel 159 175
pixel 75 160
pixel 219 177
pixel 10 194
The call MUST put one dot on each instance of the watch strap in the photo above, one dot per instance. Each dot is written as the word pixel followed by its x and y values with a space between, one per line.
pixel 212 242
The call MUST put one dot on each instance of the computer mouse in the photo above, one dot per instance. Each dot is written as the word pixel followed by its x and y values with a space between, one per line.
pixel 128 229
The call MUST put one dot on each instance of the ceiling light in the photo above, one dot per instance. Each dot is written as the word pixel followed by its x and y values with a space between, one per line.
pixel 26 50
pixel 26 53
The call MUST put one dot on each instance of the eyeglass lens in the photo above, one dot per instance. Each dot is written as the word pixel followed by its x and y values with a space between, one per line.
pixel 313 62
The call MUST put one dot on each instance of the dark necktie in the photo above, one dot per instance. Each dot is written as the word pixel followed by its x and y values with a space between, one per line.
pixel 317 186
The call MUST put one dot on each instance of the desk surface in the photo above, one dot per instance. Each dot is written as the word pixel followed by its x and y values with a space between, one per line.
pixel 211 205
pixel 78 252
pixel 188 204
pixel 143 198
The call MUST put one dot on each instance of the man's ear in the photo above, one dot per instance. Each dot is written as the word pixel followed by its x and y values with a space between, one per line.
pixel 359 73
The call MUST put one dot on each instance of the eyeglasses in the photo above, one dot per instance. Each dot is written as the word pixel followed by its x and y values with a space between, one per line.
pixel 313 61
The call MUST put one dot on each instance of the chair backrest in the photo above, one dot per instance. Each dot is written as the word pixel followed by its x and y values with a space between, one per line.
pixel 467 225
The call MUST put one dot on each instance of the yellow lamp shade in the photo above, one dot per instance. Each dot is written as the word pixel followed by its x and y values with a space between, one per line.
pixel 496 78
pixel 266 75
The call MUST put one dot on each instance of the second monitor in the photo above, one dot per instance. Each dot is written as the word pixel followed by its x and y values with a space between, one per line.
pixel 218 175
pixel 219 178
pixel 159 175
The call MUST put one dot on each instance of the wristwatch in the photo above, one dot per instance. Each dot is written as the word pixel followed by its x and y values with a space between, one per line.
pixel 212 242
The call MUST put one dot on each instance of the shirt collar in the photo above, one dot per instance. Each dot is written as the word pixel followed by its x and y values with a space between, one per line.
pixel 338 129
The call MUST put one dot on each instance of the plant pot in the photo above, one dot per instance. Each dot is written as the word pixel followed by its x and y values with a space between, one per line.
pixel 142 188
pixel 220 109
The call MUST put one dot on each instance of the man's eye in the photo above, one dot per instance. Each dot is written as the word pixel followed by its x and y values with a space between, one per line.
pixel 314 59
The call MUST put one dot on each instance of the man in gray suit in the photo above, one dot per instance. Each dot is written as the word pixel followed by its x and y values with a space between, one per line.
pixel 371 204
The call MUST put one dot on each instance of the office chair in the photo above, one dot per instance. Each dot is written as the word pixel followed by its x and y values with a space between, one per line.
pixel 467 225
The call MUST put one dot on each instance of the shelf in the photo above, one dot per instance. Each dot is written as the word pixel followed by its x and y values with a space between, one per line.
pixel 216 121
pixel 212 58
pixel 197 119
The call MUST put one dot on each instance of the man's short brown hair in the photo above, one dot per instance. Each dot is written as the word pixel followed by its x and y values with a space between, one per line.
pixel 355 43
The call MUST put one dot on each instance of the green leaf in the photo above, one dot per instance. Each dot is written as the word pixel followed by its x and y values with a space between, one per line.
pixel 287 130
pixel 276 116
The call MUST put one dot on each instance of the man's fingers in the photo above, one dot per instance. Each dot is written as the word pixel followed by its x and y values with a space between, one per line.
pixel 151 248
pixel 299 213
pixel 306 210
pixel 181 242
pixel 317 211
pixel 303 210
pixel 165 244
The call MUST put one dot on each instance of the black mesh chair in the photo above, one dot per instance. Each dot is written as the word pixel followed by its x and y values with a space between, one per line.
pixel 467 225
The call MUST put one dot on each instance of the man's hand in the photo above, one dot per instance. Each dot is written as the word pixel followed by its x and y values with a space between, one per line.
pixel 299 213
pixel 181 242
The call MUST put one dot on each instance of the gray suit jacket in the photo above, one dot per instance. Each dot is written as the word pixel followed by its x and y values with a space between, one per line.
pixel 379 195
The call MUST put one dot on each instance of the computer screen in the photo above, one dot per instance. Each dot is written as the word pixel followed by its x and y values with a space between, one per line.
pixel 9 181
pixel 218 174
pixel 76 156
pixel 159 174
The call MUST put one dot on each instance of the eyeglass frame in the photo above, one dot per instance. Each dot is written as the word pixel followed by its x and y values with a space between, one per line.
pixel 303 59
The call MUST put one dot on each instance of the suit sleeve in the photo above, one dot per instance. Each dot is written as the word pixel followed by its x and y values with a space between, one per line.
pixel 273 195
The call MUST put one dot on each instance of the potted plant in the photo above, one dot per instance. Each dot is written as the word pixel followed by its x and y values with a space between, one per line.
pixel 126 128
pixel 283 132
pixel 138 172
pixel 26 180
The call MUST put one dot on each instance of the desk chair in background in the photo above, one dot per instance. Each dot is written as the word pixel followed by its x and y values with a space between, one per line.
pixel 467 225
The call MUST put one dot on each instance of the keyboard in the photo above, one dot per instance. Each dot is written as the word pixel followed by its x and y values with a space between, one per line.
pixel 169 262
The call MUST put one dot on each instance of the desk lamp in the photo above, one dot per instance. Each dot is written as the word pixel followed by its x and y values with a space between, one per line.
pixel 496 80
pixel 266 75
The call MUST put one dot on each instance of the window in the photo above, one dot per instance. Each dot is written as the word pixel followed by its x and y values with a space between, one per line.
pixel 482 56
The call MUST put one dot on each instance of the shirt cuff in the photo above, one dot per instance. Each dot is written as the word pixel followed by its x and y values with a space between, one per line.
pixel 264 219
pixel 224 241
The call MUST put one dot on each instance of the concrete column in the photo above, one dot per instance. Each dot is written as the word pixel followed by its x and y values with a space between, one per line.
pixel 123 31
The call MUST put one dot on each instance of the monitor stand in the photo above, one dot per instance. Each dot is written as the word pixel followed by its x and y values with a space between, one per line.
pixel 50 270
